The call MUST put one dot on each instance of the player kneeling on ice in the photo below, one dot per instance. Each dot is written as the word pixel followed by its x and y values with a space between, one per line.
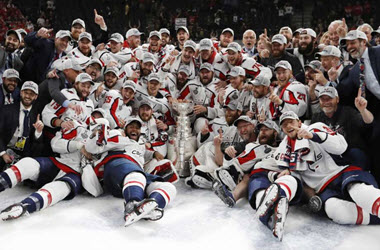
pixel 122 170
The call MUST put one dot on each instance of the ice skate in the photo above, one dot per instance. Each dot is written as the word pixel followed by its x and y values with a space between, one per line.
pixel 265 209
pixel 14 211
pixel 280 213
pixel 223 193
pixel 155 214
pixel 134 211
pixel 226 178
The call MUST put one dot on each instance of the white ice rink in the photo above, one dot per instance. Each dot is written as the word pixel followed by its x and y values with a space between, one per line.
pixel 197 219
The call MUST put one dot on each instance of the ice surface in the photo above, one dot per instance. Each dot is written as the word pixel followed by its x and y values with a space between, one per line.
pixel 197 219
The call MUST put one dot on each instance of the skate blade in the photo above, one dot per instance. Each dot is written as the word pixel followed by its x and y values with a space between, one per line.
pixel 280 218
pixel 269 199
pixel 143 210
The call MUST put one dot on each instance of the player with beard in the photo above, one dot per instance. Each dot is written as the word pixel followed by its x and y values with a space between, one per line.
pixel 10 59
pixel 214 137
pixel 154 46
pixel 279 53
pixel 99 91
pixel 122 172
pixel 138 71
pixel 288 33
pixel 9 92
pixel 94 68
pixel 231 185
pixel 226 37
pixel 307 46
pixel 261 107
pixel 118 104
pixel 165 41
pixel 207 52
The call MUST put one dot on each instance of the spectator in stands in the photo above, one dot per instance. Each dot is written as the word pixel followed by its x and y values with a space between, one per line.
pixel 8 59
pixel 45 52
pixel 376 36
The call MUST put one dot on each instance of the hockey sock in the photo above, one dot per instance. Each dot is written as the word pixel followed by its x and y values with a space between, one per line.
pixel 5 181
pixel 346 212
pixel 162 192
pixel 288 186
pixel 47 196
pixel 366 196
pixel 26 168
pixel 134 186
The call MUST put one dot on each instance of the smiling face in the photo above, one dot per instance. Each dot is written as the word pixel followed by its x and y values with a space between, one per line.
pixel 133 130
pixel 231 115
pixel 61 43
pixel 283 76
pixel 187 55
pixel 127 94
pixel 205 76
pixel 246 130
pixel 277 49
pixel 236 82
pixel 10 84
pixel 289 125
pixel 11 42
pixel 28 97
pixel 356 47
pixel 154 43
pixel 93 70
pixel 260 91
pixel 145 113
pixel 267 135
pixel 233 57
pixel 76 30
pixel 134 41
pixel 83 89
pixel 84 45
pixel 146 68
pixel 225 39
pixel 182 37
pixel 328 105
pixel 305 44
pixel 153 87
pixel 115 46
pixel 110 79
pixel 165 38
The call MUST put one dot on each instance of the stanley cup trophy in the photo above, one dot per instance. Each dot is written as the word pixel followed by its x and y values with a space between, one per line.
pixel 183 141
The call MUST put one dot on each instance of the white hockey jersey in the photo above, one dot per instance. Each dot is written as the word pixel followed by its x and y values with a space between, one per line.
pixel 53 110
pixel 127 71
pixel 193 90
pixel 262 105
pixel 78 55
pixel 122 57
pixel 115 108
pixel 157 138
pixel 295 98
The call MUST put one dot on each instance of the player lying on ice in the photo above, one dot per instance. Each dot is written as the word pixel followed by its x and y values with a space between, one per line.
pixel 349 194
pixel 121 168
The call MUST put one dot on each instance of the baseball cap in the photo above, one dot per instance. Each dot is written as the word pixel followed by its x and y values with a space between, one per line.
pixel 279 38
pixel 11 73
pixel 62 34
pixel 18 35
pixel 95 61
pixel 30 85
pixel 205 44
pixel 244 118
pixel 22 31
pixel 237 71
pixel 352 35
pixel 84 77
pixel 133 32
pixel 329 91
pixel 228 30
pixel 261 80
pixel 85 35
pixel 269 124
pixel 113 69
pixel 154 77
pixel 329 50
pixel 288 115
pixel 184 69
pixel 147 57
pixel 207 66
pixel 133 119
pixel 183 28
pixel 190 44
pixel 117 37
pixel 155 33
pixel 308 31
pixel 314 65
pixel 67 63
pixel 164 31
pixel 145 102
pixel 129 84
pixel 283 64
pixel 101 111
pixel 79 21
pixel 376 32
pixel 234 46
pixel 233 106
pixel 286 28
pixel 297 31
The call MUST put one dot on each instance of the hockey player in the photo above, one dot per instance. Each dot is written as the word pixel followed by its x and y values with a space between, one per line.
pixel 289 95
pixel 154 46
pixel 118 104
pixel 99 91
pixel 145 196
pixel 58 178
pixel 84 50
pixel 237 82
pixel 133 42
pixel 207 52
pixel 165 39
pixel 138 71
pixel 260 107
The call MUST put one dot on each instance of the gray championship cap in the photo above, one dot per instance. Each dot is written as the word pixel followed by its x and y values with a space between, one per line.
pixel 279 38
pixel 234 46
pixel 261 80
pixel 117 37
pixel 205 44
pixel 63 33
pixel 164 31
pixel 85 35
pixel 148 57
pixel 314 65
pixel 133 32
pixel 329 91
pixel 269 124
pixel 129 84
pixel 133 119
pixel 145 102
pixel 17 34
pixel 286 28
pixel 183 28
pixel 84 77
pixel 288 115
pixel 308 31
pixel 246 119
pixel 154 77
pixel 30 85
pixel 155 33
pixel 237 71
pixel 79 21
pixel 283 64
pixel 207 66
pixel 228 30
pixel 329 50
pixel 234 105
pixel 11 73
pixel 95 61
pixel 22 31
pixel 297 31
pixel 113 69
pixel 184 69
pixel 352 35
pixel 190 44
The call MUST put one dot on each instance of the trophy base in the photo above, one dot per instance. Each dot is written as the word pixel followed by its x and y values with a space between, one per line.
pixel 185 171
